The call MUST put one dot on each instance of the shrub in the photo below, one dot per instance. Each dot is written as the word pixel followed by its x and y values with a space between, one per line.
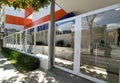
pixel 60 43
pixel 102 43
pixel 39 43
pixel 23 62
pixel 29 61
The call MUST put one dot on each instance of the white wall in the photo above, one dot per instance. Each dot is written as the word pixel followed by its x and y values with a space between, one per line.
pixel 13 26
pixel 43 12
pixel 13 12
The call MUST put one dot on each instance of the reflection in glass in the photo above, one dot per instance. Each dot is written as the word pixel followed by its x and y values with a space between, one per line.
pixel 23 48
pixel 10 41
pixel 64 45
pixel 14 41
pixel 42 40
pixel 6 42
pixel 18 42
pixel 30 40
pixel 100 46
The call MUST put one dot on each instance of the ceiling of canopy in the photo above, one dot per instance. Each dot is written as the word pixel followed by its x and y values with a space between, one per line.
pixel 83 6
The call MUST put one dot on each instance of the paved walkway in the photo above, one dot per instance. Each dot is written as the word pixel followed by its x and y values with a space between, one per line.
pixel 8 74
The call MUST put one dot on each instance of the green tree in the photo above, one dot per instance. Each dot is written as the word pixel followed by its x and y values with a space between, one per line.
pixel 35 4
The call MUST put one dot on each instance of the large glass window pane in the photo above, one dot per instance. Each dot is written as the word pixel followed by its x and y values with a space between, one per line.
pixel 18 42
pixel 100 46
pixel 6 41
pixel 30 40
pixel 23 48
pixel 42 39
pixel 14 41
pixel 64 44
pixel 10 41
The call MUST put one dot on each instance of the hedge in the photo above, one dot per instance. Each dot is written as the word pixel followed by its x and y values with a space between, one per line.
pixel 22 62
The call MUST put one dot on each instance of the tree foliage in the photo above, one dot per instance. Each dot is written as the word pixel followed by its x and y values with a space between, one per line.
pixel 35 4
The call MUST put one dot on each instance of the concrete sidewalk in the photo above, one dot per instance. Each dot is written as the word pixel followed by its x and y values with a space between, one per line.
pixel 8 74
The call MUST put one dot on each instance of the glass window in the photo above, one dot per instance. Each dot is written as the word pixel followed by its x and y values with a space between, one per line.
pixel 30 40
pixel 100 46
pixel 64 45
pixel 6 41
pixel 42 39
pixel 9 40
pixel 23 48
pixel 14 41
pixel 18 42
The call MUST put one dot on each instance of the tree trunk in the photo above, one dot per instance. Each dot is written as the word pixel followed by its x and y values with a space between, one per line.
pixel 52 31
pixel 90 20
pixel 91 39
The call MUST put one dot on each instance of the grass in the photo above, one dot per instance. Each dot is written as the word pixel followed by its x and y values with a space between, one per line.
pixel 22 62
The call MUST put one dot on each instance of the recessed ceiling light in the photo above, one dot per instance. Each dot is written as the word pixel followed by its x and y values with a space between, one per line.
pixel 117 9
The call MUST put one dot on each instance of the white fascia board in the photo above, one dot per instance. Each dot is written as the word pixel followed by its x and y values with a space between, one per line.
pixel 43 12
pixel 13 26
pixel 13 12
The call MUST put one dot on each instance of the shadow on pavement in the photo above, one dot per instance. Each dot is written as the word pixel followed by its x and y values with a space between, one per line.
pixel 53 76
pixel 8 74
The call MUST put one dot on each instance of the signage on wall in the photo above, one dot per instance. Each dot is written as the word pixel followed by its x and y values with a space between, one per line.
pixel 42 27
pixel 10 30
